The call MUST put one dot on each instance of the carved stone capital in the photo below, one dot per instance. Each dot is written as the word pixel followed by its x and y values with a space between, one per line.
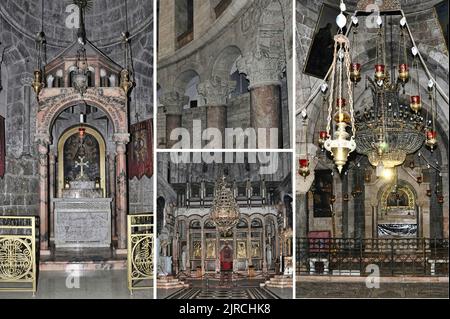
pixel 173 102
pixel 216 91
pixel 121 138
pixel 26 80
pixel 261 68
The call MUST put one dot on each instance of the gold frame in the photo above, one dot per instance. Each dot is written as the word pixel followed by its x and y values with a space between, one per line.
pixel 388 191
pixel 102 148
pixel 140 231
pixel 29 242
pixel 241 249
pixel 211 249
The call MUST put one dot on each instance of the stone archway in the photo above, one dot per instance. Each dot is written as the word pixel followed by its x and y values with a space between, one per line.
pixel 373 207
pixel 53 101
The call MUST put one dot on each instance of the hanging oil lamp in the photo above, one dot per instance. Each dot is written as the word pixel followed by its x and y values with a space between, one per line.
pixel 431 133
pixel 304 170
pixel 323 136
pixel 355 72
pixel 38 82
pixel 81 129
pixel 403 73
pixel 342 143
pixel 403 68
pixel 416 101
pixel 431 139
pixel 126 82
pixel 380 72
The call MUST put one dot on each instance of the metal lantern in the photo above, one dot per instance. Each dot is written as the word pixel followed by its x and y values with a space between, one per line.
pixel 431 139
pixel 323 135
pixel 416 103
pixel 125 83
pixel 355 72
pixel 403 73
pixel 304 170
pixel 380 72
pixel 342 143
pixel 37 84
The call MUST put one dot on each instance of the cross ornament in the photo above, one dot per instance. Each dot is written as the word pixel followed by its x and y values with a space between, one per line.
pixel 81 164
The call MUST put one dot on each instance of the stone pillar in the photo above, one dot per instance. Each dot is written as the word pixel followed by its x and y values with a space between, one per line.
pixel 203 248
pixel 43 143
pixel 215 93
pixel 26 82
pixel 188 247
pixel 52 160
pixel 121 140
pixel 112 191
pixel 263 247
pixel 264 73
pixel 173 103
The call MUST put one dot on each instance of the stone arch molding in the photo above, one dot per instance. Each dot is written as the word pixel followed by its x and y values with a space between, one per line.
pixel 52 101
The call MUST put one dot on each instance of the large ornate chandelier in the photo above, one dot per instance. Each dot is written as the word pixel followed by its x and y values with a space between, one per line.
pixel 340 104
pixel 224 211
pixel 391 127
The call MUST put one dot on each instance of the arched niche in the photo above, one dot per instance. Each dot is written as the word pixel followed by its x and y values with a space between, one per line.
pixel 90 132
pixel 186 84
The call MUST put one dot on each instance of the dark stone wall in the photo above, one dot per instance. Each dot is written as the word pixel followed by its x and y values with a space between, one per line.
pixel 19 22
pixel 430 42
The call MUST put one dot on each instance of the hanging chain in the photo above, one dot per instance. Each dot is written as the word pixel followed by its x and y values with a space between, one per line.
pixel 350 89
pixel 330 97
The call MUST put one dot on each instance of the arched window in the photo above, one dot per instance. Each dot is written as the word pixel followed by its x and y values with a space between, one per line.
pixel 184 22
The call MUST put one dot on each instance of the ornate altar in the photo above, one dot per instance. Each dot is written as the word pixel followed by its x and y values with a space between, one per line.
pixel 82 215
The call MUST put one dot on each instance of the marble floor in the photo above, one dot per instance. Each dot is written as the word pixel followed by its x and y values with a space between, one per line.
pixel 359 290
pixel 242 289
pixel 98 284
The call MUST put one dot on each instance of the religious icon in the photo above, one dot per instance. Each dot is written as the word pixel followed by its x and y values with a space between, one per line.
pixel 197 250
pixel 211 249
pixel 256 251
pixel 241 250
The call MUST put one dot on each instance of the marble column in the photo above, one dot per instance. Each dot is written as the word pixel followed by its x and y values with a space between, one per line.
pixel 26 82
pixel 173 103
pixel 263 247
pixel 203 248
pixel 43 144
pixel 215 93
pixel 52 160
pixel 112 191
pixel 264 73
pixel 121 141
pixel 188 247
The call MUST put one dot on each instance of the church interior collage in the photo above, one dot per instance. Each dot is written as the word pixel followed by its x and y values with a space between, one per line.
pixel 224 149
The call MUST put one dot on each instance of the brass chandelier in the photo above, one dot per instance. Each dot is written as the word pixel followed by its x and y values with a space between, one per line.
pixel 392 126
pixel 224 211
pixel 340 100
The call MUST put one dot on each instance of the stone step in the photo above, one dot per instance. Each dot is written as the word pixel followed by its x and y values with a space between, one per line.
pixel 82 265
pixel 279 281
pixel 170 283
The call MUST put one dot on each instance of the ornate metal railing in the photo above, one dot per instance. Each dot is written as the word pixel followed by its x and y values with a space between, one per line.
pixel 17 254
pixel 389 257
pixel 140 251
